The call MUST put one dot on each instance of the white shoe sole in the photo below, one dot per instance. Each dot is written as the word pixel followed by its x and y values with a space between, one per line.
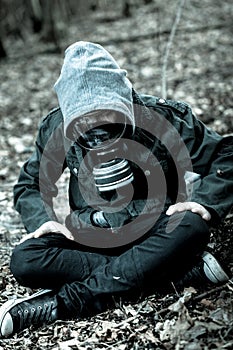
pixel 8 305
pixel 213 269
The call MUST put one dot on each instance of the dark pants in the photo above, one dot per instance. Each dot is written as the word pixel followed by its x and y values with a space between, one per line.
pixel 88 282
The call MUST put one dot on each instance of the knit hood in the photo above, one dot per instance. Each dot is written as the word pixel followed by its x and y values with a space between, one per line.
pixel 91 80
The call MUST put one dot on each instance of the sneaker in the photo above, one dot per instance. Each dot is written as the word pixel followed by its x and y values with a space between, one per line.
pixel 207 271
pixel 213 270
pixel 17 314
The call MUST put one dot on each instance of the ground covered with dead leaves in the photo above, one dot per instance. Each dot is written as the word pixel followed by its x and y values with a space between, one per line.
pixel 199 70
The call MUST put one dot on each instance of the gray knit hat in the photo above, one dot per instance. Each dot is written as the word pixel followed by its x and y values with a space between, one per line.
pixel 91 80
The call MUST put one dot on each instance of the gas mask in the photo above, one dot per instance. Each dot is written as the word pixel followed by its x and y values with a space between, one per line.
pixel 110 171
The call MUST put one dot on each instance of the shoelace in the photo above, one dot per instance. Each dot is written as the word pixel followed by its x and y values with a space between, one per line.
pixel 34 315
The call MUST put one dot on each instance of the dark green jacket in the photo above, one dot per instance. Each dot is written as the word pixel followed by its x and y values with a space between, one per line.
pixel 161 127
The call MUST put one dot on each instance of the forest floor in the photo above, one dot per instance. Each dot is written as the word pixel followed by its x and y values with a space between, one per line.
pixel 199 72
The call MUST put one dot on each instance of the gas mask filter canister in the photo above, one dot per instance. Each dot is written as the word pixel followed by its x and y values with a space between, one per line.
pixel 112 175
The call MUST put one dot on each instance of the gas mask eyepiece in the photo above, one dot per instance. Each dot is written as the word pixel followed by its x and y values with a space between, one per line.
pixel 99 129
pixel 101 137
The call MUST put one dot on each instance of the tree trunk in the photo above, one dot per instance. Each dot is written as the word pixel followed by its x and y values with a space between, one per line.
pixel 126 9
pixel 2 50
pixel 35 15
pixel 49 32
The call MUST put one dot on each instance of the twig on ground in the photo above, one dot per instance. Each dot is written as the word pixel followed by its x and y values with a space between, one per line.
pixel 209 292
pixel 168 47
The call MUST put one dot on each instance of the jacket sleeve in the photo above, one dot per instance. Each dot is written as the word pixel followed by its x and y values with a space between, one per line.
pixel 36 185
pixel 211 156
pixel 215 191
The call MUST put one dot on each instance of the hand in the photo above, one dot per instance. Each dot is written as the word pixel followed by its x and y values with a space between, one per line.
pixel 48 227
pixel 192 206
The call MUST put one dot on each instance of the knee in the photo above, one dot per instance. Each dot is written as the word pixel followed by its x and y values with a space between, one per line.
pixel 188 233
pixel 191 223
pixel 24 262
pixel 197 225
